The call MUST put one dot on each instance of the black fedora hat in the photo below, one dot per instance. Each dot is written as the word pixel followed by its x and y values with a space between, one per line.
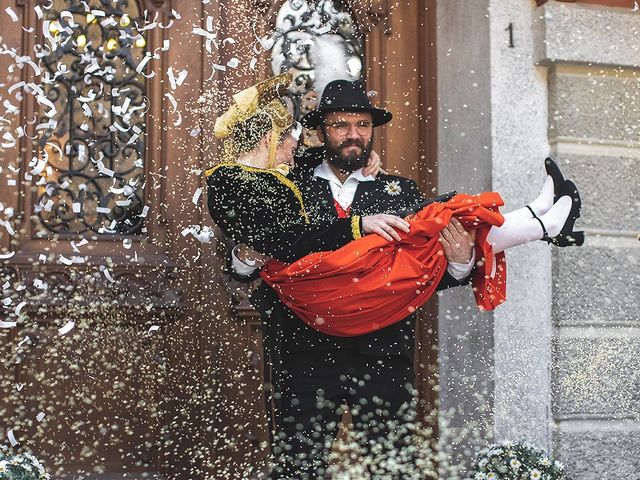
pixel 345 96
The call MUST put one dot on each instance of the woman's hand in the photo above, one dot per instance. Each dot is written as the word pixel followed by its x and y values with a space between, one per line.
pixel 384 225
pixel 250 257
pixel 373 166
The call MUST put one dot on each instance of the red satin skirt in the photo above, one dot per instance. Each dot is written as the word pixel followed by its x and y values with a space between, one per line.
pixel 372 283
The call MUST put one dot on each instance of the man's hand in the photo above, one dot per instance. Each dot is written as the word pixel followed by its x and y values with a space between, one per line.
pixel 457 242
pixel 250 257
pixel 384 225
pixel 374 165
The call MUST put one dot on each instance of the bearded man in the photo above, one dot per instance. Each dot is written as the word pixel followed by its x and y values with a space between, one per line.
pixel 312 375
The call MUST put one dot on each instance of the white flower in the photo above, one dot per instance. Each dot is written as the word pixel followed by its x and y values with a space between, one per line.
pixel 480 476
pixel 545 462
pixel 491 476
pixel 515 464
pixel 392 187
pixel 535 474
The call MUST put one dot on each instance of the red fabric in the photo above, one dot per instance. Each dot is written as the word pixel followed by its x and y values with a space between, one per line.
pixel 372 283
pixel 342 212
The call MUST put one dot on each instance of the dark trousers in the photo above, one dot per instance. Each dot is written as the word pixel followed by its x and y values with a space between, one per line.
pixel 315 385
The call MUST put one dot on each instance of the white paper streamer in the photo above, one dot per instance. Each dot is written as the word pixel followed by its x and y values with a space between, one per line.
pixel 176 81
pixel 40 416
pixel 196 196
pixel 65 260
pixel 67 328
pixel 12 438
pixel 11 13
pixel 4 324
pixel 107 274
pixel 19 308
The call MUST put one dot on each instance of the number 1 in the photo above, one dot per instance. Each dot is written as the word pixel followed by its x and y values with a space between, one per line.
pixel 510 30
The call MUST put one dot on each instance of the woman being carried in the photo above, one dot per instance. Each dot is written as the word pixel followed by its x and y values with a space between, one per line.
pixel 339 283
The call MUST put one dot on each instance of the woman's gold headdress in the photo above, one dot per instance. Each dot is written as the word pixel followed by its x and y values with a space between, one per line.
pixel 263 98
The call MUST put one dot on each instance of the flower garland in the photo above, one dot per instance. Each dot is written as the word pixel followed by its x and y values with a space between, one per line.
pixel 508 461
pixel 20 466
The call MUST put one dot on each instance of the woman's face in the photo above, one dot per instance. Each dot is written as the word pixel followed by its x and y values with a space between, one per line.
pixel 286 149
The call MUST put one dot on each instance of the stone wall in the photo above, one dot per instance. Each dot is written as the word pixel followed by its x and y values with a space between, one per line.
pixel 558 364
pixel 593 55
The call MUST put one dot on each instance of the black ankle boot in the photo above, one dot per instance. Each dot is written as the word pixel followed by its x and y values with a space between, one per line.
pixel 567 237
pixel 553 170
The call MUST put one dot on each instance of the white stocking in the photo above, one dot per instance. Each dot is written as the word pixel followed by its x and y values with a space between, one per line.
pixel 540 205
pixel 518 231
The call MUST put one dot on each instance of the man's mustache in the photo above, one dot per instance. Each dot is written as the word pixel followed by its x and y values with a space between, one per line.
pixel 352 142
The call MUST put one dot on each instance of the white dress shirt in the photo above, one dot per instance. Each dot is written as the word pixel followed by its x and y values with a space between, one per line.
pixel 344 194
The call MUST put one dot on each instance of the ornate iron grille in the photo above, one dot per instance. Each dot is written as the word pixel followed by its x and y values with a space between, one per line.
pixel 317 41
pixel 95 79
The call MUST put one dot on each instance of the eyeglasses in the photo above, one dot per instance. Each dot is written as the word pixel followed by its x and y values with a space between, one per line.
pixel 363 127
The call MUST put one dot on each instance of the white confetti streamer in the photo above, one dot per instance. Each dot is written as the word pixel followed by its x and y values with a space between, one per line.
pixel 4 256
pixel 176 82
pixel 196 196
pixel 4 324
pixel 19 308
pixel 106 273
pixel 67 328
pixel 11 13
pixel 12 438
pixel 143 63
pixel 40 416
pixel 66 260
pixel 153 328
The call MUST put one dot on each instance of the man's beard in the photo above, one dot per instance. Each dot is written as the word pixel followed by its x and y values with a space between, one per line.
pixel 351 162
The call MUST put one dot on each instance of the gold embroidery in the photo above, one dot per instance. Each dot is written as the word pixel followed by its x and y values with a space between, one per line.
pixel 279 176
pixel 355 227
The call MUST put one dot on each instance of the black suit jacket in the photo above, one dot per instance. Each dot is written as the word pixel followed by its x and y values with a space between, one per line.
pixel 283 328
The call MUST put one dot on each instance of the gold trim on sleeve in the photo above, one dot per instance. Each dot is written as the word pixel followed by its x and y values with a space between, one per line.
pixel 355 227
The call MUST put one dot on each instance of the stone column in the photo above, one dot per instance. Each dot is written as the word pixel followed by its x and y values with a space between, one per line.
pixel 465 335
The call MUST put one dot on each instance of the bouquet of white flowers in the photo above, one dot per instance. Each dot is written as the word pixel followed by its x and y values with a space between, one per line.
pixel 508 461
pixel 20 466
